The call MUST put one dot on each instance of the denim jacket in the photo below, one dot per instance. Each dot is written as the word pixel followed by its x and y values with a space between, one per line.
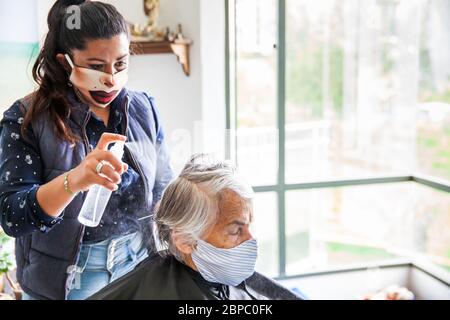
pixel 47 248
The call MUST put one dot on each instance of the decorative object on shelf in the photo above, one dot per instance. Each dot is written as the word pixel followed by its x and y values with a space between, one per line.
pixel 149 31
pixel 149 39
pixel 151 9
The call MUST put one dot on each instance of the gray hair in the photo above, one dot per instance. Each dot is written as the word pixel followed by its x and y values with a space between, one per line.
pixel 190 203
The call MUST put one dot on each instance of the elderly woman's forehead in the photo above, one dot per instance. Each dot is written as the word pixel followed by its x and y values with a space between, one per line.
pixel 231 203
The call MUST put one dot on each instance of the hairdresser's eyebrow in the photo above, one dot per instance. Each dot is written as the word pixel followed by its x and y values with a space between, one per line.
pixel 101 60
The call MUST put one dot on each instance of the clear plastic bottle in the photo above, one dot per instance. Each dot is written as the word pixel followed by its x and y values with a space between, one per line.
pixel 98 196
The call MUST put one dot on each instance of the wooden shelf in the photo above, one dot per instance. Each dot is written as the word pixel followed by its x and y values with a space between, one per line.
pixel 179 47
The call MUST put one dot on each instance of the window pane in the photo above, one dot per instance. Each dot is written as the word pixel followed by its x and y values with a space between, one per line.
pixel 265 230
pixel 357 75
pixel 433 127
pixel 257 138
pixel 340 226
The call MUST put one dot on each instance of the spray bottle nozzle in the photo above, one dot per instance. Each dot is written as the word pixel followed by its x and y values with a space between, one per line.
pixel 117 149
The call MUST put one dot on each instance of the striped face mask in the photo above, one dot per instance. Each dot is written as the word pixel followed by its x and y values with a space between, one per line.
pixel 226 266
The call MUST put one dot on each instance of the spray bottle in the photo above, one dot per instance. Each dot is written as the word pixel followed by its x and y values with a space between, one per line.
pixel 98 196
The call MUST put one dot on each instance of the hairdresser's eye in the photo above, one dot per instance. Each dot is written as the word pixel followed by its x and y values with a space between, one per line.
pixel 96 66
pixel 121 65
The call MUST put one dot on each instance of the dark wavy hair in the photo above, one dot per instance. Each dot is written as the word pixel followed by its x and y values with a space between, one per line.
pixel 98 21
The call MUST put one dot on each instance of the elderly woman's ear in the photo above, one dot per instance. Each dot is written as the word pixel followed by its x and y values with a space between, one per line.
pixel 182 244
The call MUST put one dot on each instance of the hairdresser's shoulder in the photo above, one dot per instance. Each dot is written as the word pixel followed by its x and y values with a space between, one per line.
pixel 141 99
pixel 18 109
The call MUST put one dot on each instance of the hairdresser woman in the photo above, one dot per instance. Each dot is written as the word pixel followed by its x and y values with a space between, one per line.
pixel 54 147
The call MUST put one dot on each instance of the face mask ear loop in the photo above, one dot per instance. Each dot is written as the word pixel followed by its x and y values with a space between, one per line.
pixel 195 245
pixel 69 60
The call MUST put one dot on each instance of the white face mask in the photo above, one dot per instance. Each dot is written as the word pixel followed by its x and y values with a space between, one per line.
pixel 226 266
pixel 86 79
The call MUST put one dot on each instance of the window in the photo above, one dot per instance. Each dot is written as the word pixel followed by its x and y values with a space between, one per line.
pixel 360 224
pixel 329 97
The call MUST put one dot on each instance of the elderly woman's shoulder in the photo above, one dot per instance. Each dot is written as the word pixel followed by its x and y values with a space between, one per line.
pixel 160 265
pixel 156 261
pixel 157 277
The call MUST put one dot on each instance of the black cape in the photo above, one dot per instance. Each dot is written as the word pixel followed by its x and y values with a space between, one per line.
pixel 166 278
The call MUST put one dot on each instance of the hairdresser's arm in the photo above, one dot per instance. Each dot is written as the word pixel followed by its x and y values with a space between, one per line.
pixel 21 172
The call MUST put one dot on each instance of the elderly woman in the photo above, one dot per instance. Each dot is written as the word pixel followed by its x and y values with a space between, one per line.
pixel 203 220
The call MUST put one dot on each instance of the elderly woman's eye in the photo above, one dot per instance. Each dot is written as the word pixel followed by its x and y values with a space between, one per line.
pixel 235 232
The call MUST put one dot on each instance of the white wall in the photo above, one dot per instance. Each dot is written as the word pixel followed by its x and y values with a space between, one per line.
pixel 12 30
pixel 43 7
pixel 212 34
